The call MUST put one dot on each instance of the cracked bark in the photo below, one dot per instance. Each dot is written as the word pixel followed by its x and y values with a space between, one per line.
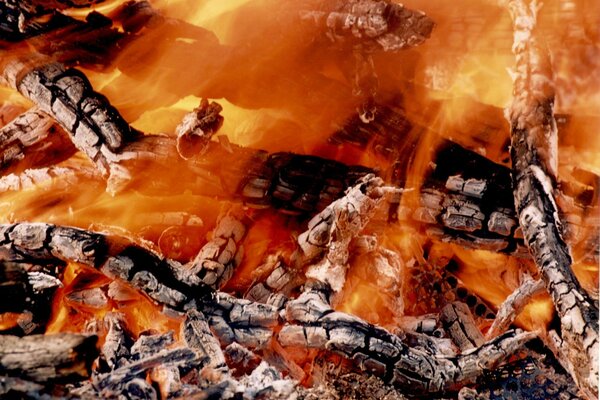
pixel 310 320
pixel 96 128
pixel 460 325
pixel 215 263
pixel 374 25
pixel 534 158
pixel 313 324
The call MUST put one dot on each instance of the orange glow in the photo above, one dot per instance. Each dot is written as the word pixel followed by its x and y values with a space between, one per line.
pixel 494 277
pixel 8 320
pixel 70 316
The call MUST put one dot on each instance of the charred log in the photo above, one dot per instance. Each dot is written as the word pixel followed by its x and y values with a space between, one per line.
pixel 325 243
pixel 215 263
pixel 62 357
pixel 534 158
pixel 316 325
pixel 196 129
pixel 97 128
pixel 460 325
pixel 374 25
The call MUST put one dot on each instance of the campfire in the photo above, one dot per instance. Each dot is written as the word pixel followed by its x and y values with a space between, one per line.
pixel 299 199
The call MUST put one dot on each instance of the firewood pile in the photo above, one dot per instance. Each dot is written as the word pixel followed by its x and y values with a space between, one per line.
pixel 346 219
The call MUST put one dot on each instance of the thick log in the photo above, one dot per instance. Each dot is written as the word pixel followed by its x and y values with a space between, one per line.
pixel 314 324
pixel 97 129
pixel 33 140
pixel 534 158
pixel 64 357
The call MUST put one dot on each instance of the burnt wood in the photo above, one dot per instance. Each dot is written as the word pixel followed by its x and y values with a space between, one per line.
pixel 534 147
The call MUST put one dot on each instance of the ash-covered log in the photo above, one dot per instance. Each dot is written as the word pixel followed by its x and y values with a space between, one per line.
pixel 64 357
pixel 534 148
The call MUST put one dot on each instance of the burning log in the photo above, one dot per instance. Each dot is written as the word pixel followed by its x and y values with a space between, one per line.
pixel 329 233
pixel 61 357
pixel 372 348
pixel 116 343
pixel 376 25
pixel 33 139
pixel 534 157
pixel 459 323
pixel 277 286
pixel 68 174
pixel 309 322
pixel 197 336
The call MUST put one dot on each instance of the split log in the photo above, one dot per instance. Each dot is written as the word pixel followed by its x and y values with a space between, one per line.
pixel 534 158
pixel 314 324
pixel 64 357
pixel 33 140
